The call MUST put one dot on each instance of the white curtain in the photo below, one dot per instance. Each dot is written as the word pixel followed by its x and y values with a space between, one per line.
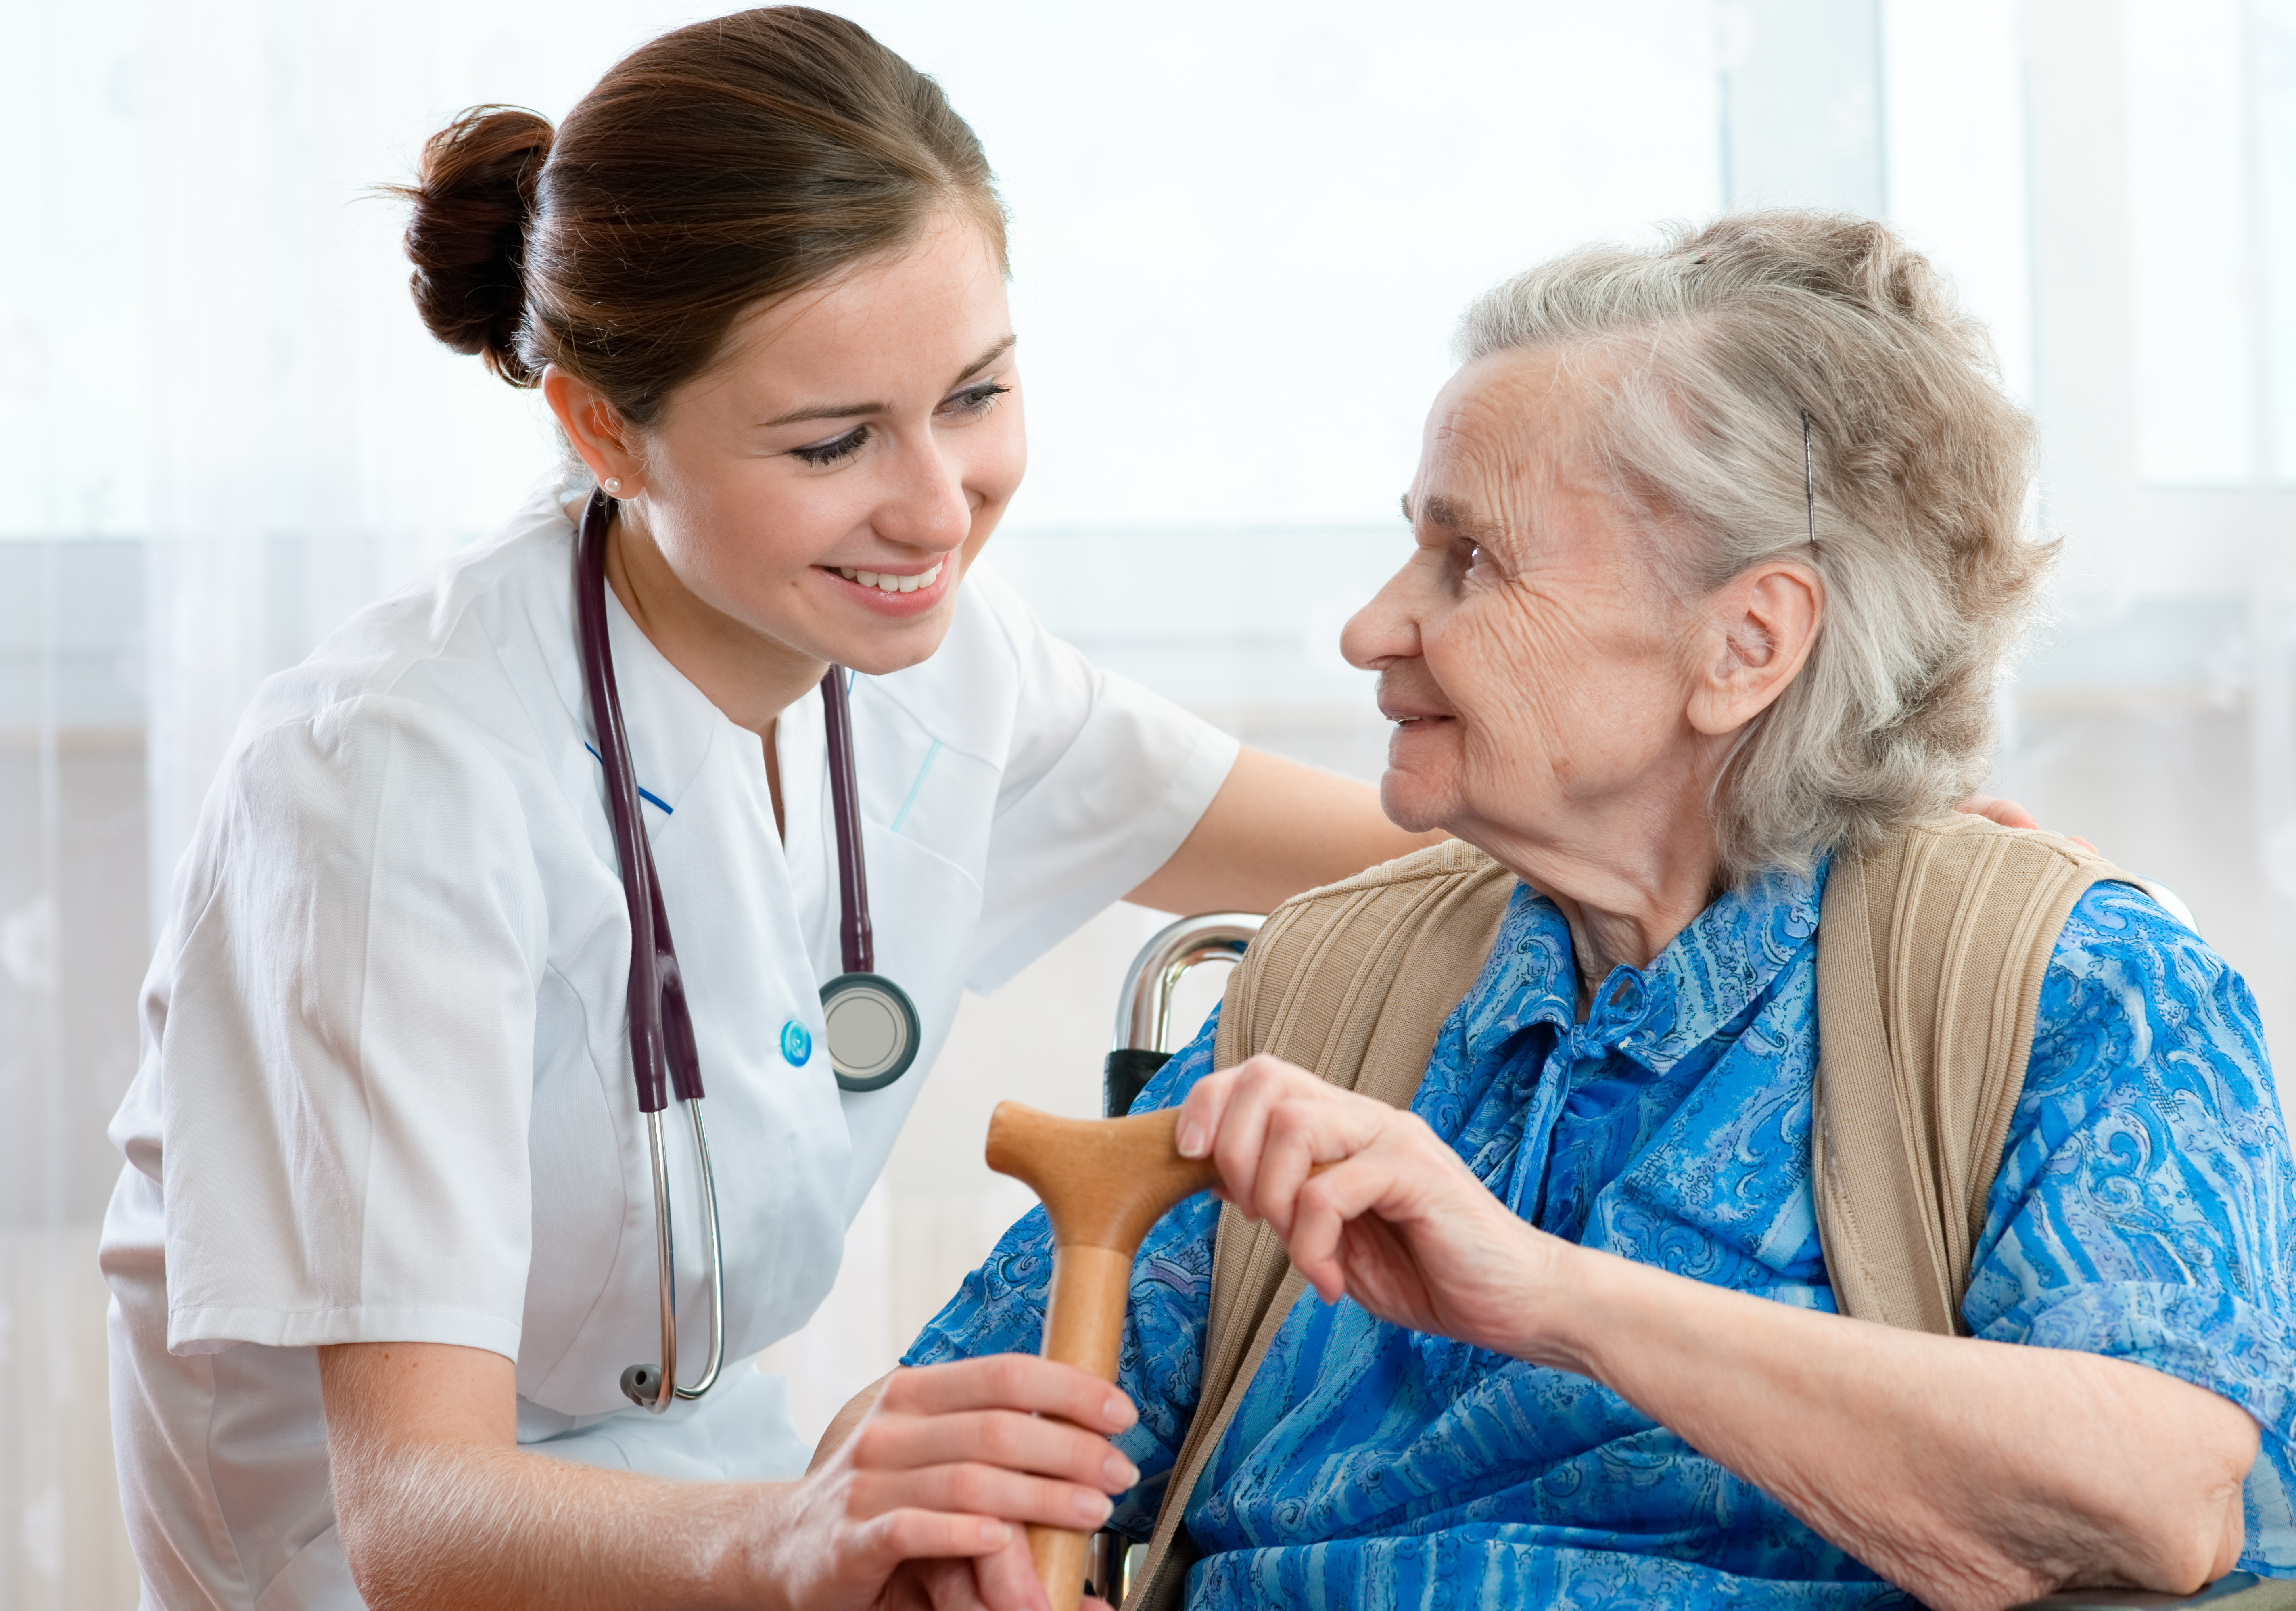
pixel 1241 232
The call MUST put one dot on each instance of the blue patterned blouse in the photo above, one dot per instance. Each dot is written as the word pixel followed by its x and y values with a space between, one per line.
pixel 2145 1208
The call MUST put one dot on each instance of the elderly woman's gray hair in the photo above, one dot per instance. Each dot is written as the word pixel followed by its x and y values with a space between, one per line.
pixel 1708 352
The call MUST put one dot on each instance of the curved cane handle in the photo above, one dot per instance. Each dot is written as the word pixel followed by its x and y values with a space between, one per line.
pixel 1103 1182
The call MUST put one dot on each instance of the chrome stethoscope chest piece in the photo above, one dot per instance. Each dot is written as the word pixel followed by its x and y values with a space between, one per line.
pixel 873 1030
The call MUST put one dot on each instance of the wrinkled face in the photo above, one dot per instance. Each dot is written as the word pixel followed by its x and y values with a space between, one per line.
pixel 828 485
pixel 1538 676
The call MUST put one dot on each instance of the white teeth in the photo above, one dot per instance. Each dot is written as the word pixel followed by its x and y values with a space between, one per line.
pixel 885 581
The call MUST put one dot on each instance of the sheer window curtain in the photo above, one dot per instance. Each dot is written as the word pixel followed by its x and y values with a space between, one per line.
pixel 221 431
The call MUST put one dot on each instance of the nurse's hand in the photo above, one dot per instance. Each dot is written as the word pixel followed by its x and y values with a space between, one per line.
pixel 2009 814
pixel 918 1506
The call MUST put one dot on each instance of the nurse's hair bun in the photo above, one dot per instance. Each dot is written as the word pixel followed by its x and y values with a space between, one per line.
pixel 712 171
pixel 467 235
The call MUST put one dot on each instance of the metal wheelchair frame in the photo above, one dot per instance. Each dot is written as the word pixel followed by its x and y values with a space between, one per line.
pixel 1143 1034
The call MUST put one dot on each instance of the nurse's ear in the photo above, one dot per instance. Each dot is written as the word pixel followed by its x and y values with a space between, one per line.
pixel 605 444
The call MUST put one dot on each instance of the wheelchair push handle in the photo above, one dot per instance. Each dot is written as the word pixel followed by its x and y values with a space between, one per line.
pixel 1143 1008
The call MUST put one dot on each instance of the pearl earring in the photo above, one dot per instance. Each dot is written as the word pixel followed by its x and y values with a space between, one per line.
pixel 613 486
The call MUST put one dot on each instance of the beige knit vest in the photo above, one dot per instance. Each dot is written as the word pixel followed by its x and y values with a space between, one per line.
pixel 1929 959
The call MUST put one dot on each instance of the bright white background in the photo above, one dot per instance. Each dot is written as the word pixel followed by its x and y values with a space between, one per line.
pixel 1241 234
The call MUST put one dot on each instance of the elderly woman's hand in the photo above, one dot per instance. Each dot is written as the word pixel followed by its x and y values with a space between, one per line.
pixel 1373 1205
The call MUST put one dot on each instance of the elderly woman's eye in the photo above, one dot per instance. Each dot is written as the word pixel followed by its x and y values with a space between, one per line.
pixel 1461 560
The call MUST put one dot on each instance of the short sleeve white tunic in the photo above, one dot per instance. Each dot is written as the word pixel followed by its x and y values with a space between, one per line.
pixel 385 1092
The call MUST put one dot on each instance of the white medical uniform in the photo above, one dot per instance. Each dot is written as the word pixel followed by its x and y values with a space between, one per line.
pixel 385 1092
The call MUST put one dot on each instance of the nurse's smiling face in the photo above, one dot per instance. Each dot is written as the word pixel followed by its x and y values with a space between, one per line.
pixel 817 495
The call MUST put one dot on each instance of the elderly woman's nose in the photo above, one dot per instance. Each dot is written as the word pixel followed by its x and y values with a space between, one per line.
pixel 1382 632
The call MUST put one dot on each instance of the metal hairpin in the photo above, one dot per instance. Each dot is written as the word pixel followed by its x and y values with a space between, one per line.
pixel 1810 480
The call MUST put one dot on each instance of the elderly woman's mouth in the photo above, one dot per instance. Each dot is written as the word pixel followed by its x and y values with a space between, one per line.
pixel 1405 715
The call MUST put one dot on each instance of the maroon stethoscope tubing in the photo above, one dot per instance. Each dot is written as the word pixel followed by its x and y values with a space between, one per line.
pixel 873 1031
pixel 856 941
pixel 661 1027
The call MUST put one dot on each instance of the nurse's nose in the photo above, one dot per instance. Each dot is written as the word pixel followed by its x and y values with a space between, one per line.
pixel 927 505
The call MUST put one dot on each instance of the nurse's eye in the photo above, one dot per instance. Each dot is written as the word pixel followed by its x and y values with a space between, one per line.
pixel 830 452
pixel 974 401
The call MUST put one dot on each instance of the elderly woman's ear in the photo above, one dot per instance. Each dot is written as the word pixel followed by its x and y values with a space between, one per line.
pixel 1757 631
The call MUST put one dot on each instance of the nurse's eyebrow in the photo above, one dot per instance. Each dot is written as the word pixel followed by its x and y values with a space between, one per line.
pixel 986 358
pixel 846 411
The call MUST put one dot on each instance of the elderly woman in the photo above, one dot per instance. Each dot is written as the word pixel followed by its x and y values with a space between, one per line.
pixel 1670 674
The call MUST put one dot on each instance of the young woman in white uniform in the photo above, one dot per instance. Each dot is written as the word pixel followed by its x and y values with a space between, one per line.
pixel 385 1243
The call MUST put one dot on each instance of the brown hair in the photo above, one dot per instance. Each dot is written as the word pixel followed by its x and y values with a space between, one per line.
pixel 725 164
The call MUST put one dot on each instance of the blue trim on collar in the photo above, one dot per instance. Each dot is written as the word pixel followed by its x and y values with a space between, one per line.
pixel 644 793
pixel 902 815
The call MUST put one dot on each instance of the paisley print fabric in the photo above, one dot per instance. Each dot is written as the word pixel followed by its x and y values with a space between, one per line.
pixel 2145 1208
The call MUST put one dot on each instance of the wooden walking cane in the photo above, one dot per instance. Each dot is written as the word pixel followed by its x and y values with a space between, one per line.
pixel 1103 1182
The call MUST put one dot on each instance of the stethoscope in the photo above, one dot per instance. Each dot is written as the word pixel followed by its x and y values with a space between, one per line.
pixel 873 1030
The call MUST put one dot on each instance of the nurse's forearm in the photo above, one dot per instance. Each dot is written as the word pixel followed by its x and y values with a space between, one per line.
pixel 438 1506
pixel 470 1525
pixel 1973 1474
pixel 1276 828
